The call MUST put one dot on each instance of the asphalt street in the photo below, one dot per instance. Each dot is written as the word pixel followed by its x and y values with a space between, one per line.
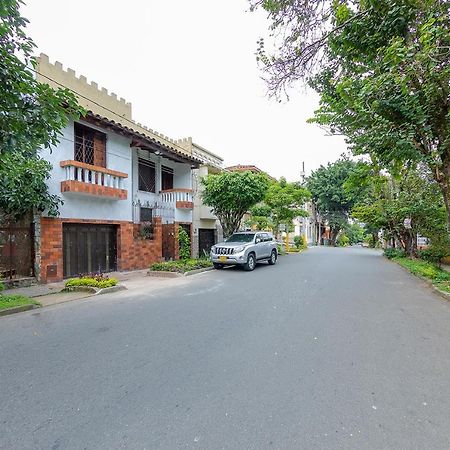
pixel 329 349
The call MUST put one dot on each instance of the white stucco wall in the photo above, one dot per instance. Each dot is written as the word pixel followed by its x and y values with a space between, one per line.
pixel 77 206
pixel 181 180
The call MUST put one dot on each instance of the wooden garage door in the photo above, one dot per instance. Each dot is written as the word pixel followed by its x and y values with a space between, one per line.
pixel 89 248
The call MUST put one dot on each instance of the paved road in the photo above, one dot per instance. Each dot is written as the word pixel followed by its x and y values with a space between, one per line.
pixel 331 349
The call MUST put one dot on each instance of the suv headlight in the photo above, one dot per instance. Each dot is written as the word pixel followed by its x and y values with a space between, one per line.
pixel 239 249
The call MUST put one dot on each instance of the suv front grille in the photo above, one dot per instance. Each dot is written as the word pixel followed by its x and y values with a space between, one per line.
pixel 224 251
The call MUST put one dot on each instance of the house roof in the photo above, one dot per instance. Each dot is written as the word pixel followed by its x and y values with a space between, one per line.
pixel 249 168
pixel 106 109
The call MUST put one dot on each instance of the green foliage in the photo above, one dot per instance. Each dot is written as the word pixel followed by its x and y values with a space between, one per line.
pixel 184 244
pixel 181 266
pixel 300 242
pixel 424 269
pixel 32 117
pixel 96 281
pixel 232 194
pixel 382 69
pixel 281 250
pixel 2 286
pixel 391 253
pixel 434 253
pixel 328 192
pixel 23 184
pixel 355 233
pixel 413 195
pixel 283 203
pixel 11 301
pixel 343 240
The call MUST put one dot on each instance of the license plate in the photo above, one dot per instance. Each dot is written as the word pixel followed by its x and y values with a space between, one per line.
pixel 222 258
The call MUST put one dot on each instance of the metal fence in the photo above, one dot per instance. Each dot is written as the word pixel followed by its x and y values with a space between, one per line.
pixel 16 251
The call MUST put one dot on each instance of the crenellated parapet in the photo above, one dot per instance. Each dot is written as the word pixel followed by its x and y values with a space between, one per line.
pixel 90 95
pixel 99 100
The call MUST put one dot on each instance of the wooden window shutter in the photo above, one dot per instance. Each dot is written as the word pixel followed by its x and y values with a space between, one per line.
pixel 100 150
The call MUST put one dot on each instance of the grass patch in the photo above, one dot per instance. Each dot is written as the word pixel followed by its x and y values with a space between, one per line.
pixel 440 278
pixel 11 301
pixel 181 266
pixel 92 281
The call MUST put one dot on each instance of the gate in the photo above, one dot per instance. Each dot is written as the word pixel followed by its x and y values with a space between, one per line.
pixel 206 239
pixel 17 250
pixel 89 248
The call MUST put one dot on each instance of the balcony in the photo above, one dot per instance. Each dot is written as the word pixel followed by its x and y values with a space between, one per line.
pixel 180 198
pixel 86 179
pixel 206 213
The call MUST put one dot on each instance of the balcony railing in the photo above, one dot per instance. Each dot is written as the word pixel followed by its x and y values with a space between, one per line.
pixel 93 180
pixel 180 198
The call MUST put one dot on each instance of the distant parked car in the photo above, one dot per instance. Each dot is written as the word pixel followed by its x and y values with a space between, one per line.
pixel 245 249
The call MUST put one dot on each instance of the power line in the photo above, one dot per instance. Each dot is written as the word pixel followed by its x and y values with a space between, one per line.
pixel 90 100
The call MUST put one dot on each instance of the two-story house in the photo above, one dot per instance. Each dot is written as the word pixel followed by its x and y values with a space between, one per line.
pixel 126 189
pixel 206 227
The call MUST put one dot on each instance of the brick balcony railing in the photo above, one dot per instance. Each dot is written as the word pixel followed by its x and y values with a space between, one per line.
pixel 86 179
pixel 180 198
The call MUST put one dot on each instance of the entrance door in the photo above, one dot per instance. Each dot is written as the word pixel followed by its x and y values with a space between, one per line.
pixel 206 239
pixel 89 248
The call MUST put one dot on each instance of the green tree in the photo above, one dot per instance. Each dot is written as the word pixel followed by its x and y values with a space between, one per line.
pixel 382 68
pixel 232 194
pixel 32 116
pixel 283 202
pixel 333 201
pixel 415 196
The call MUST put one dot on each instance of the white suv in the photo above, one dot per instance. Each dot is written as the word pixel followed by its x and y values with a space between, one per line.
pixel 245 249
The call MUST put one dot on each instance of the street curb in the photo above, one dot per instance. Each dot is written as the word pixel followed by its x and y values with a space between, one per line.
pixel 94 290
pixel 163 274
pixel 196 271
pixel 17 309
pixel 429 283
pixel 167 274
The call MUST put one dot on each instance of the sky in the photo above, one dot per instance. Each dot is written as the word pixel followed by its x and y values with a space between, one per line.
pixel 189 69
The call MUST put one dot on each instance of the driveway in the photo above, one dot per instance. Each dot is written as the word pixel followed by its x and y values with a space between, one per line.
pixel 330 349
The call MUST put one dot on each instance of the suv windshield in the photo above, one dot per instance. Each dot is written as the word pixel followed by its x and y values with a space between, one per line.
pixel 240 237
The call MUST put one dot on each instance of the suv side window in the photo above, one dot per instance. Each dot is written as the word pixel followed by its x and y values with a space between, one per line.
pixel 269 238
pixel 265 237
pixel 259 238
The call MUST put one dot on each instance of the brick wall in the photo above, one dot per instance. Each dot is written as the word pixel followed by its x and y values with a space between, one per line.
pixel 132 252
pixel 94 189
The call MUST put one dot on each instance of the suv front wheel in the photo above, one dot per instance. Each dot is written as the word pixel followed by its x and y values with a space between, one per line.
pixel 251 262
pixel 273 258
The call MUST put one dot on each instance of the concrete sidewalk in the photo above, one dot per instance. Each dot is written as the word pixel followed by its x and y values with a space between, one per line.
pixel 50 293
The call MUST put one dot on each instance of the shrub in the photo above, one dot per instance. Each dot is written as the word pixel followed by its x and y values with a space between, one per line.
pixel 281 249
pixel 433 253
pixel 343 240
pixel 184 244
pixel 181 266
pixel 300 242
pixel 391 253
pixel 2 286
pixel 97 281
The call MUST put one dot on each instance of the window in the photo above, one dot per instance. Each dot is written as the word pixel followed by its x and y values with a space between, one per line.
pixel 146 214
pixel 166 178
pixel 90 145
pixel 147 175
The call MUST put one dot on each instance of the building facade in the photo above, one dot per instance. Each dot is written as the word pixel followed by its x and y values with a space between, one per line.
pixel 126 189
